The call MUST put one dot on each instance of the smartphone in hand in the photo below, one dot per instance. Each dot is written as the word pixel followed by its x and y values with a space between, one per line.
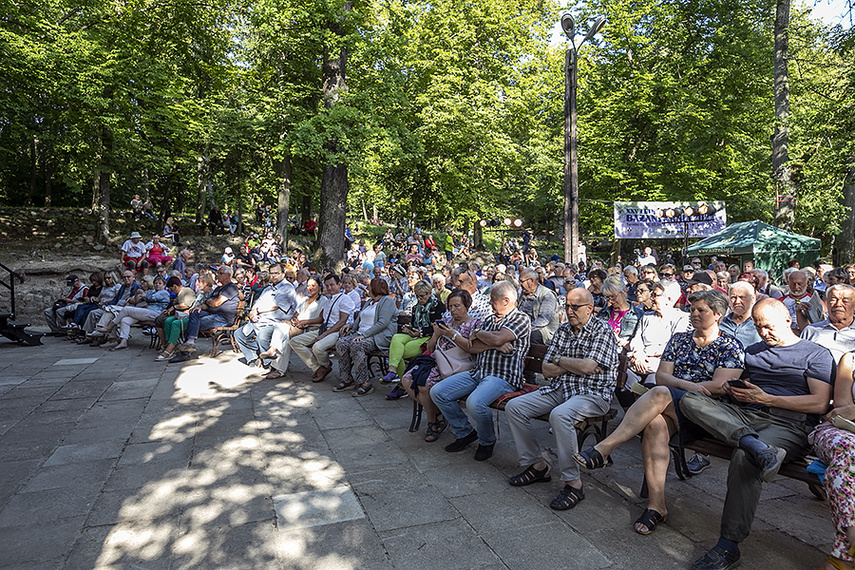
pixel 737 383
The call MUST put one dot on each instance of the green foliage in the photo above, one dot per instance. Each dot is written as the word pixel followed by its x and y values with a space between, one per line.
pixel 454 111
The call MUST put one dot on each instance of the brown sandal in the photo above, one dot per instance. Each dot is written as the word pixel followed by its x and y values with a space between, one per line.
pixel 274 375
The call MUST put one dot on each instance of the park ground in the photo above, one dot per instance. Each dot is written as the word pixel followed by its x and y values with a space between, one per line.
pixel 110 460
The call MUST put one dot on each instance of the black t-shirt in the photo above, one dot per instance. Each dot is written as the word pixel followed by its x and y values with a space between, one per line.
pixel 228 309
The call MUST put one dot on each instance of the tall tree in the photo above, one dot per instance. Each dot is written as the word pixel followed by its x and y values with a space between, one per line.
pixel 786 191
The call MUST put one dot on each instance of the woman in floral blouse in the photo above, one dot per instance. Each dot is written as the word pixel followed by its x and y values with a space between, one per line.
pixel 700 361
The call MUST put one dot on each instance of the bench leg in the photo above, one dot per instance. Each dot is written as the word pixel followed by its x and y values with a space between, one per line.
pixel 417 416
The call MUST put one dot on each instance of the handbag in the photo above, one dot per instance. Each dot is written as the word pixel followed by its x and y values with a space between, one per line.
pixel 453 360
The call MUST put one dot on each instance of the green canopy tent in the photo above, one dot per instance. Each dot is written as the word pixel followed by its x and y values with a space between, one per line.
pixel 770 247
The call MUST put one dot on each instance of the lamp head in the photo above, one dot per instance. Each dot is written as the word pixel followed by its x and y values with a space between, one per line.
pixel 568 25
pixel 595 28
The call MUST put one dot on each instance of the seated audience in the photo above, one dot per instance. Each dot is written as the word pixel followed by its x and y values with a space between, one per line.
pixel 622 317
pixel 64 307
pixel 407 344
pixel 274 305
pixel 450 347
pixel 656 329
pixel 738 322
pixel 133 253
pixel 837 332
pixel 836 448
pixel 219 310
pixel 308 318
pixel 156 301
pixel 313 346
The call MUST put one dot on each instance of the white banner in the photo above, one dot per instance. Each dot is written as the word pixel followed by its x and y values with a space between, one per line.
pixel 649 220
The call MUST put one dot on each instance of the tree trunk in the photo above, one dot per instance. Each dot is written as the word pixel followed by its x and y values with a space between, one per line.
pixel 96 189
pixel 200 190
pixel 282 168
pixel 786 191
pixel 167 195
pixel 105 172
pixel 34 157
pixel 364 212
pixel 239 230
pixel 334 183
pixel 330 244
pixel 845 242
pixel 478 236
pixel 104 207
pixel 47 174
pixel 306 208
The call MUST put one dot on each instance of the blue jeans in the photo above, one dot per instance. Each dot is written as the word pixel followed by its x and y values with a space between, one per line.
pixel 202 321
pixel 482 392
pixel 251 340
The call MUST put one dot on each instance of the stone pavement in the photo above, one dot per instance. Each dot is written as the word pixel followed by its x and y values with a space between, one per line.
pixel 111 460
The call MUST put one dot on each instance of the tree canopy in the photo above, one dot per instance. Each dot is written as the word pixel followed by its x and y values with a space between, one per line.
pixel 447 112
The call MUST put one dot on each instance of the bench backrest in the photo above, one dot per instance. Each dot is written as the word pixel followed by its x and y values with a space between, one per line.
pixel 536 352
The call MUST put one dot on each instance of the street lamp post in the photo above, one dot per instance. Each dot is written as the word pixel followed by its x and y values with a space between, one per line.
pixel 571 163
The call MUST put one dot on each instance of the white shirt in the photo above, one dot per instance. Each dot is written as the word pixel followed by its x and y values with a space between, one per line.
pixel 135 250
pixel 341 303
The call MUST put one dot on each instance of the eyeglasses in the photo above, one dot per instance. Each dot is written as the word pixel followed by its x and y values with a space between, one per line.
pixel 575 308
pixel 526 280
pixel 666 274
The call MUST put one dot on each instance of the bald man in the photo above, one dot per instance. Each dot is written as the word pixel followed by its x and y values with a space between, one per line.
pixel 787 387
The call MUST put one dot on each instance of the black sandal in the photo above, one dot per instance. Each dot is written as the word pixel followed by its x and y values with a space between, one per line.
pixel 363 390
pixel 531 475
pixel 650 519
pixel 590 459
pixel 342 386
pixel 568 498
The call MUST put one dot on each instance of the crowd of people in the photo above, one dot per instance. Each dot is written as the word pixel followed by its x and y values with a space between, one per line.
pixel 710 349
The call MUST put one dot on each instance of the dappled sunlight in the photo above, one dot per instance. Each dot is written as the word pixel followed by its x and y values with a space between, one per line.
pixel 136 541
pixel 174 429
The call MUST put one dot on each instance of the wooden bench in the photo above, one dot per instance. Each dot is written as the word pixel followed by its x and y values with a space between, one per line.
pixel 595 426
pixel 380 358
pixel 219 334
pixel 708 446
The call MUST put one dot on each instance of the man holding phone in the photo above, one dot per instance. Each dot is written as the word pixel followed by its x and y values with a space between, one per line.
pixel 787 385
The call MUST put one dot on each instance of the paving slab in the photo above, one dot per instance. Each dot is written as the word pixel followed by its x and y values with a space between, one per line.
pixel 134 464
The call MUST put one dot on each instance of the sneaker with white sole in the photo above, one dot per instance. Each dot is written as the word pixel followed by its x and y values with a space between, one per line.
pixel 697 463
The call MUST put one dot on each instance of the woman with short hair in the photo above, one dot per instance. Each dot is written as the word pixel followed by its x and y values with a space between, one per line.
pixel 372 329
pixel 449 344
pixel 702 361
pixel 407 344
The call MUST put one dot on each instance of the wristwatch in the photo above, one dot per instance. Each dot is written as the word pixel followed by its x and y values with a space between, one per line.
pixel 556 359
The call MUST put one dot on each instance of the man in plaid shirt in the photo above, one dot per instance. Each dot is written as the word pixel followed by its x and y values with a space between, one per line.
pixel 582 359
pixel 501 345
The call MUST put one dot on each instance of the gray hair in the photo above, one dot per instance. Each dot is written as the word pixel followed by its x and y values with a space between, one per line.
pixel 714 299
pixel 504 289
pixel 421 286
pixel 631 270
pixel 742 285
pixel 613 286
pixel 842 287
pixel 226 269
pixel 761 273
